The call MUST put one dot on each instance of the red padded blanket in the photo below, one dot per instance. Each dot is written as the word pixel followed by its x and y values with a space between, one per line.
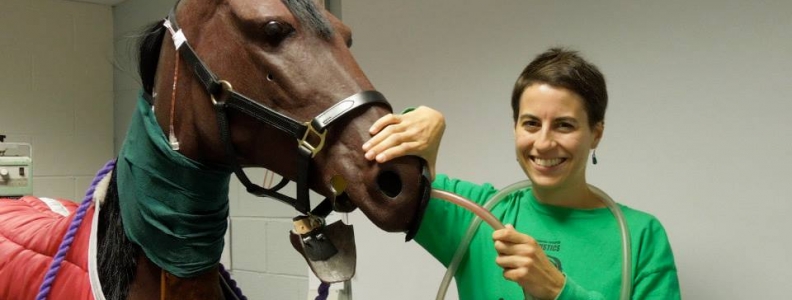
pixel 30 234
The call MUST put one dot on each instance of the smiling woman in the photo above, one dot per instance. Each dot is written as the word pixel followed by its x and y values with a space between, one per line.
pixel 553 139
pixel 561 241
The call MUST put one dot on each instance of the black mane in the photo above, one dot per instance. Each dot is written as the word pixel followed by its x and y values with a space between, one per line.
pixel 117 256
pixel 148 54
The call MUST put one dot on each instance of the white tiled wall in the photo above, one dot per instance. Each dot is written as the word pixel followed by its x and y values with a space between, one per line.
pixel 56 89
pixel 263 260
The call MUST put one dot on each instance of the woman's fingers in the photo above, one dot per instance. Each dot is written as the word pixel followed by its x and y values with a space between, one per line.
pixel 515 274
pixel 505 248
pixel 387 139
pixel 376 130
pixel 524 262
pixel 510 235
pixel 416 133
pixel 384 129
pixel 514 261
pixel 383 122
pixel 399 150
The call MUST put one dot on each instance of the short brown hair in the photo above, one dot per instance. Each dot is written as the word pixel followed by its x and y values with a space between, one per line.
pixel 564 68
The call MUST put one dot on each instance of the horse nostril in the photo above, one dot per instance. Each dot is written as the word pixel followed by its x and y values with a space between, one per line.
pixel 389 183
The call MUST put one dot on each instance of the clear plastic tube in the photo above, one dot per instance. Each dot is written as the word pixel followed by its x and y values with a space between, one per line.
pixel 626 282
pixel 483 213
pixel 462 249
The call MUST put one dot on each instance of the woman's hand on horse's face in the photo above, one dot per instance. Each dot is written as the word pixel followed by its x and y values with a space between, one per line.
pixel 524 262
pixel 415 133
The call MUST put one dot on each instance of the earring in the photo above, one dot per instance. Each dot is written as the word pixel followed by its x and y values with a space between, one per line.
pixel 594 156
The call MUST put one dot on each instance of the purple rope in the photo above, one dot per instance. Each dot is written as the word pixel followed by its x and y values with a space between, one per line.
pixel 231 283
pixel 69 237
pixel 323 290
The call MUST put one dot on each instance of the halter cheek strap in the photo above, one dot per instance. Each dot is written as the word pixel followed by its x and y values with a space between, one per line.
pixel 310 136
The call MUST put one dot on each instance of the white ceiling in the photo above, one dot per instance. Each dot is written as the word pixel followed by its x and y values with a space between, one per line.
pixel 105 2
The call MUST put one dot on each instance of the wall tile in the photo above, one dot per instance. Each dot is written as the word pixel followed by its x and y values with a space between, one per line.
pixel 46 113
pixel 53 27
pixel 225 258
pixel 123 106
pixel 92 36
pixel 52 155
pixel 267 286
pixel 13 13
pixel 54 187
pixel 93 113
pixel 248 236
pixel 281 256
pixel 16 73
pixel 82 183
pixel 91 152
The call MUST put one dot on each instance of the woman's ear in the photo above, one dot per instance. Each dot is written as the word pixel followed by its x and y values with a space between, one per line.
pixel 598 130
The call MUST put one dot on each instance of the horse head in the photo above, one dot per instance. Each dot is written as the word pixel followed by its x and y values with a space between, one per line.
pixel 273 84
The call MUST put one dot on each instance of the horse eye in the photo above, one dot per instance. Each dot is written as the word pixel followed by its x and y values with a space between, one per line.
pixel 275 32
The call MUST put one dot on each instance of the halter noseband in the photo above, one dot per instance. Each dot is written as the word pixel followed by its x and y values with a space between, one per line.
pixel 309 135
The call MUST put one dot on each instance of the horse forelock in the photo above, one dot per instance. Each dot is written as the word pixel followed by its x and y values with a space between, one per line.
pixel 310 16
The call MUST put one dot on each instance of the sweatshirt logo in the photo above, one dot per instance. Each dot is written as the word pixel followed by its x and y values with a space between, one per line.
pixel 552 246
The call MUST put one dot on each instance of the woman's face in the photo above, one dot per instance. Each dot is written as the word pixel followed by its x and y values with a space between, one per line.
pixel 552 136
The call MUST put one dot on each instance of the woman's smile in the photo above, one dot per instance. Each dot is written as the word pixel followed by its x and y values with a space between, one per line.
pixel 547 163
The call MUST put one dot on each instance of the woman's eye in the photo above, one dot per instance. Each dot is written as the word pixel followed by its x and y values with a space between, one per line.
pixel 530 124
pixel 566 126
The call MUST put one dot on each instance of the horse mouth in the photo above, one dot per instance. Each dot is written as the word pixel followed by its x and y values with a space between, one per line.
pixel 388 182
pixel 343 204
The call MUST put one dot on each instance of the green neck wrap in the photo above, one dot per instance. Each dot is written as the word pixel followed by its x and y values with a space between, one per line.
pixel 175 208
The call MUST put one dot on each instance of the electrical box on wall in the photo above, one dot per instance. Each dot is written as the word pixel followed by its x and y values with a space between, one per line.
pixel 16 169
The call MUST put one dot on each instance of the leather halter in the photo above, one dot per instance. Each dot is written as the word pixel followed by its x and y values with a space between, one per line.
pixel 224 97
pixel 328 250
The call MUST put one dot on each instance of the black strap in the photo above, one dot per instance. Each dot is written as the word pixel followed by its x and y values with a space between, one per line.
pixel 236 100
pixel 252 188
pixel 266 115
pixel 224 97
pixel 426 188
pixel 344 106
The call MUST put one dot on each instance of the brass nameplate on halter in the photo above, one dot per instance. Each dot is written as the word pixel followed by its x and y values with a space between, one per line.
pixel 329 251
pixel 305 224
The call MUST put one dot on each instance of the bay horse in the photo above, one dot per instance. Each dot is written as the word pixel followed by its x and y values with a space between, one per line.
pixel 230 84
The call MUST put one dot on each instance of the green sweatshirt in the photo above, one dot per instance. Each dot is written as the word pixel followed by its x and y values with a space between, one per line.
pixel 584 244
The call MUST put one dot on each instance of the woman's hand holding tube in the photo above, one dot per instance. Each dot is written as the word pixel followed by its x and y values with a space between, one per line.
pixel 415 133
pixel 523 261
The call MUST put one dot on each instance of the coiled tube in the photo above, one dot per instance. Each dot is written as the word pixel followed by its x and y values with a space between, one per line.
pixel 483 213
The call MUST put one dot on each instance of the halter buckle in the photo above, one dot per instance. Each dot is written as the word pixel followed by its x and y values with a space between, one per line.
pixel 312 132
pixel 226 87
